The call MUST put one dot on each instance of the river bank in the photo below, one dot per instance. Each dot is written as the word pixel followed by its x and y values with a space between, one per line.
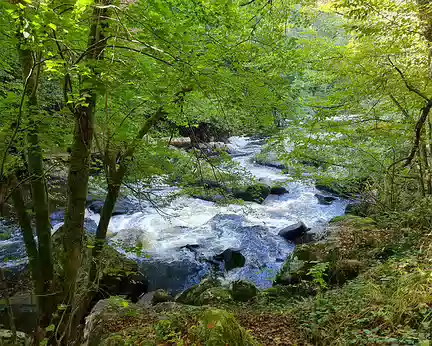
pixel 385 300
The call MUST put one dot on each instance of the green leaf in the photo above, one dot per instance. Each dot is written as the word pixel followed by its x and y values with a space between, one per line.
pixel 50 328
pixel 52 26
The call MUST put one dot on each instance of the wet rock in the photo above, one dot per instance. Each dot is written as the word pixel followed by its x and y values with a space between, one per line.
pixel 325 200
pixel 232 258
pixel 269 159
pixel 210 198
pixel 122 206
pixel 305 238
pixel 175 275
pixel 120 283
pixel 191 247
pixel 253 193
pixel 294 231
pixel 351 208
pixel 243 291
pixel 278 190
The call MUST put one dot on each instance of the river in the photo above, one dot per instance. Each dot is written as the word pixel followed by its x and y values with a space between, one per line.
pixel 181 238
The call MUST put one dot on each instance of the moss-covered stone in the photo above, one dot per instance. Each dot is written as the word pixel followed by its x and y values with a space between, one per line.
pixel 253 193
pixel 192 295
pixel 310 252
pixel 344 270
pixel 102 314
pixel 215 296
pixel 278 190
pixel 243 291
pixel 363 223
pixel 294 271
pixel 161 296
pixel 218 327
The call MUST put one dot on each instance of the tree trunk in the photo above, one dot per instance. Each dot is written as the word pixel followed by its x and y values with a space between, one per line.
pixel 77 185
pixel 115 181
pixel 27 231
pixel 30 62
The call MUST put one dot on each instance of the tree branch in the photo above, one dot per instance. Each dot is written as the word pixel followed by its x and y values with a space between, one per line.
pixel 419 125
pixel 408 85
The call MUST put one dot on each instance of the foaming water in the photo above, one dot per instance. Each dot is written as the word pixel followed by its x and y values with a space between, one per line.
pixel 180 239
pixel 167 233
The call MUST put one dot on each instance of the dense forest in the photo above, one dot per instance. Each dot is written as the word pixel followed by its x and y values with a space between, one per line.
pixel 215 172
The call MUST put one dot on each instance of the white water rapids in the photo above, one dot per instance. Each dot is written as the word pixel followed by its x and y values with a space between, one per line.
pixel 209 229
pixel 253 228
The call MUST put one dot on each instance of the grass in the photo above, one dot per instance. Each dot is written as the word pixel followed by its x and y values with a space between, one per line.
pixel 388 304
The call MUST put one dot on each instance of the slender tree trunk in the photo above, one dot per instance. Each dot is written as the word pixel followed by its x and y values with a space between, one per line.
pixel 31 65
pixel 115 180
pixel 27 231
pixel 77 185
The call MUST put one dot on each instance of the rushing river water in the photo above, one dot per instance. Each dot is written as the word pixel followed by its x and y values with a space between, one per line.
pixel 180 239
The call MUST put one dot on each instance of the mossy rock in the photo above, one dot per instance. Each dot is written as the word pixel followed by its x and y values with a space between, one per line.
pixel 343 188
pixel 294 271
pixel 214 296
pixel 102 314
pixel 310 252
pixel 243 291
pixel 253 193
pixel 132 336
pixel 219 327
pixel 192 295
pixel 344 270
pixel 278 190
pixel 357 222
pixel 160 296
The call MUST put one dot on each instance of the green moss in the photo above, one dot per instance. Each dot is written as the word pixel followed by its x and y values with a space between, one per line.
pixel 218 327
pixel 294 271
pixel 132 336
pixel 243 291
pixel 192 296
pixel 358 222
pixel 253 193
pixel 215 296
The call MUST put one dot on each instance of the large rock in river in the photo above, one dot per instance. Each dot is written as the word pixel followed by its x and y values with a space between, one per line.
pixel 294 231
pixel 325 200
pixel 232 258
pixel 253 193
